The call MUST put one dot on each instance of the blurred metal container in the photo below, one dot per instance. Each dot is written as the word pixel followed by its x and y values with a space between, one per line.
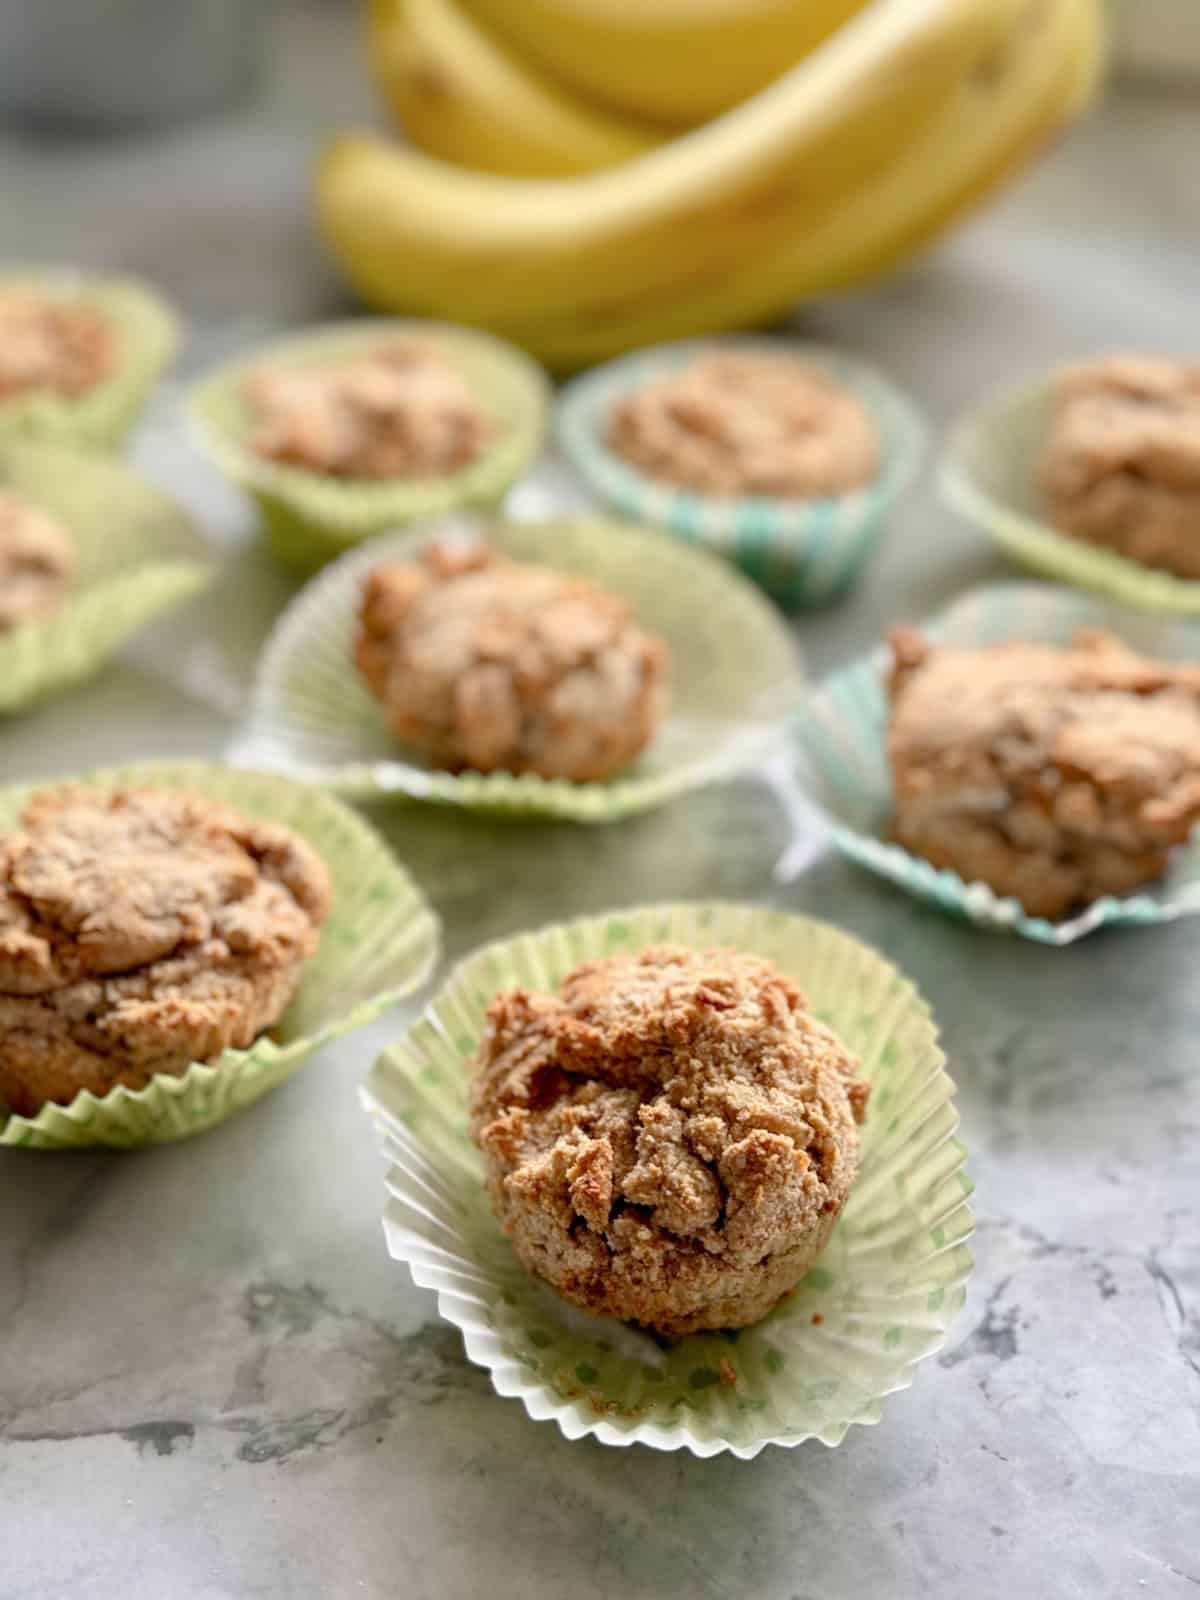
pixel 125 63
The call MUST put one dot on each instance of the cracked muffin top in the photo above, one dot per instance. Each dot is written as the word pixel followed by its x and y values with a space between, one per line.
pixel 497 665
pixel 398 411
pixel 37 559
pixel 1120 465
pixel 735 424
pixel 141 930
pixel 671 1137
pixel 51 344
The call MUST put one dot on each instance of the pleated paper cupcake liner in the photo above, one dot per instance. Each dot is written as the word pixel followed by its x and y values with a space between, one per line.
pixel 147 333
pixel 879 1299
pixel 379 943
pixel 310 518
pixel 137 554
pixel 988 474
pixel 734 676
pixel 841 737
pixel 803 552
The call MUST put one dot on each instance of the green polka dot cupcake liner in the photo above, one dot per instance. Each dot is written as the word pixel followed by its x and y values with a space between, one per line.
pixel 802 552
pixel 988 474
pixel 379 944
pixel 137 555
pixel 841 742
pixel 735 676
pixel 147 334
pixel 879 1300
pixel 309 518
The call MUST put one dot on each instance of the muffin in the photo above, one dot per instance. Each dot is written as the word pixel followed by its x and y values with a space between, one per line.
pixel 142 930
pixel 738 424
pixel 400 410
pixel 497 665
pixel 1120 466
pixel 1055 776
pixel 671 1138
pixel 52 345
pixel 37 559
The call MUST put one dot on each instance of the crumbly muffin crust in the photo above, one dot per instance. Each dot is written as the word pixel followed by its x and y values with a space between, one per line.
pixel 1053 775
pixel 671 1138
pixel 398 411
pixel 496 665
pixel 1120 466
pixel 734 424
pixel 142 930
pixel 61 346
pixel 37 559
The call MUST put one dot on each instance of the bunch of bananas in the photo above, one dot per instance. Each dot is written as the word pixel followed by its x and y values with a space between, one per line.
pixel 587 176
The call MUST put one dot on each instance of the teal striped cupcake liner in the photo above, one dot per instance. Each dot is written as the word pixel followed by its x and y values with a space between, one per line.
pixel 988 474
pixel 802 552
pixel 841 741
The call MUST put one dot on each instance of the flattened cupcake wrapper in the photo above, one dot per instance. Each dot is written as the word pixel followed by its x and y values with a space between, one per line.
pixel 987 474
pixel 734 676
pixel 310 517
pixel 841 736
pixel 803 552
pixel 379 943
pixel 879 1299
pixel 147 335
pixel 137 554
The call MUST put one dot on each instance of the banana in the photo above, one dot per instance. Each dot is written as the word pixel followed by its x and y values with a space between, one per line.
pixel 1009 108
pixel 679 225
pixel 466 97
pixel 671 61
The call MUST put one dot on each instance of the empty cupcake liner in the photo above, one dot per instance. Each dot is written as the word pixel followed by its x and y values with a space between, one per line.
pixel 879 1300
pixel 734 676
pixel 309 518
pixel 137 554
pixel 147 334
pixel 379 943
pixel 803 552
pixel 988 474
pixel 841 737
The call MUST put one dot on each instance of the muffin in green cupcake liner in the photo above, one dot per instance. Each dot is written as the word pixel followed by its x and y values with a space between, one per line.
pixel 841 738
pixel 309 518
pixel 147 333
pixel 880 1298
pixel 803 552
pixel 735 676
pixel 988 474
pixel 137 554
pixel 379 943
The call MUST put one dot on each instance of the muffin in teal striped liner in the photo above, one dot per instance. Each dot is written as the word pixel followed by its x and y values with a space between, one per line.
pixel 136 555
pixel 880 1298
pixel 735 676
pixel 841 738
pixel 802 552
pixel 147 333
pixel 988 474
pixel 378 944
pixel 310 518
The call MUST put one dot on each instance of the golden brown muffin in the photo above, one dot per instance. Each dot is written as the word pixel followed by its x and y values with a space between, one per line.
pixel 669 1139
pixel 495 665
pixel 738 424
pixel 47 343
pixel 37 559
pixel 1120 466
pixel 399 411
pixel 1055 776
pixel 142 930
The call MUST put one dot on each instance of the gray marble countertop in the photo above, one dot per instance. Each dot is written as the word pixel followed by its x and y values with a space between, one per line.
pixel 213 1382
